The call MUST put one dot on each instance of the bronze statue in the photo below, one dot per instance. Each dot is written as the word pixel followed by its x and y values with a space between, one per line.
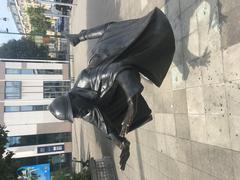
pixel 108 92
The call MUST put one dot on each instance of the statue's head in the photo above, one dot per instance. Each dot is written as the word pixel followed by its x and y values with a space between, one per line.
pixel 61 108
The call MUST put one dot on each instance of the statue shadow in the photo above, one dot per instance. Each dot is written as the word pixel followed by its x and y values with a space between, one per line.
pixel 184 58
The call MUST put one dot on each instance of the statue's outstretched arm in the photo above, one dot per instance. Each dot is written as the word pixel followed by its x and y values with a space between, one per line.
pixel 92 33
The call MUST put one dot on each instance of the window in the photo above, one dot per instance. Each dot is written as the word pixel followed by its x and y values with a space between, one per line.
pixel 11 108
pixel 54 138
pixel 27 71
pixel 48 71
pixel 13 89
pixel 15 141
pixel 57 161
pixel 53 89
pixel 32 71
pixel 25 108
pixel 12 71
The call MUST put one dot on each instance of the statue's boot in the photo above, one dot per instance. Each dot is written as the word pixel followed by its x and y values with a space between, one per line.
pixel 73 38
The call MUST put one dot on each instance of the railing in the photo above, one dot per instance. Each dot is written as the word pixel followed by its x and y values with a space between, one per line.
pixel 103 169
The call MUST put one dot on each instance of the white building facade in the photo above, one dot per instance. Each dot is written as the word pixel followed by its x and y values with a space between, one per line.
pixel 26 90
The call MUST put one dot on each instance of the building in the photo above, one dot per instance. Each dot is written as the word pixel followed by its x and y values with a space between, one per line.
pixel 17 16
pixel 35 135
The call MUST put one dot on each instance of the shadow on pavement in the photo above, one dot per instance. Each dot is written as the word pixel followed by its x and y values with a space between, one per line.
pixel 194 59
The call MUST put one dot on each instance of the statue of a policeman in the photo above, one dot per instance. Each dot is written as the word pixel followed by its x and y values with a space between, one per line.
pixel 108 92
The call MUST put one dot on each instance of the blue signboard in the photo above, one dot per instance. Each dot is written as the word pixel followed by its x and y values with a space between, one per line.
pixel 47 149
pixel 38 172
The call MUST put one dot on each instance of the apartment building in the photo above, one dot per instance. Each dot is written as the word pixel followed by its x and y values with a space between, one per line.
pixel 26 90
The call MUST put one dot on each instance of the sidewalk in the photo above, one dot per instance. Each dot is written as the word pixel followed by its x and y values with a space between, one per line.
pixel 195 134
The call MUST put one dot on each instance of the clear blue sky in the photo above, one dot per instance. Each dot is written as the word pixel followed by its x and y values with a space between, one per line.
pixel 5 12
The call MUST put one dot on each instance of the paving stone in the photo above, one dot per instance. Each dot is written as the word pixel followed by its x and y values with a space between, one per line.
pixel 178 55
pixel 234 123
pixel 177 77
pixel 161 143
pixel 207 13
pixel 159 123
pixel 212 70
pixel 198 129
pixel 226 6
pixel 233 97
pixel 195 100
pixel 151 139
pixel 209 39
pixel 185 172
pixel 171 146
pixel 143 3
pixel 236 165
pixel 165 123
pixel 230 34
pixel 221 163
pixel 200 175
pixel 189 21
pixel 231 62
pixel 163 102
pixel 165 86
pixel 218 130
pixel 184 4
pixel 173 169
pixel 150 156
pixel 184 151
pixel 182 126
pixel 200 155
pixel 215 99
pixel 173 8
pixel 163 160
pixel 194 76
pixel 180 101
pixel 153 173
pixel 176 24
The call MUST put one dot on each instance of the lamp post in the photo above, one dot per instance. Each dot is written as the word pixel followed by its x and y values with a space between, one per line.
pixel 4 19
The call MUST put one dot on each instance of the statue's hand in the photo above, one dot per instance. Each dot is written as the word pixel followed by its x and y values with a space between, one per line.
pixel 124 154
pixel 75 39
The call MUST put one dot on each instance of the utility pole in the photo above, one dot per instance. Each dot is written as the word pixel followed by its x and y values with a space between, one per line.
pixel 34 61
pixel 28 34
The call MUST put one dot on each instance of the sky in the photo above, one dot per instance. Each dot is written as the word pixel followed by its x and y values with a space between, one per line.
pixel 5 12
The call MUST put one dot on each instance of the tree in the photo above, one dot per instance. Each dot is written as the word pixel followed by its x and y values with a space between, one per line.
pixel 40 24
pixel 8 167
pixel 23 48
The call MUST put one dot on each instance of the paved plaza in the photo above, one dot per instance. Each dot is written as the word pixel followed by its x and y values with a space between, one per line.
pixel 195 134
